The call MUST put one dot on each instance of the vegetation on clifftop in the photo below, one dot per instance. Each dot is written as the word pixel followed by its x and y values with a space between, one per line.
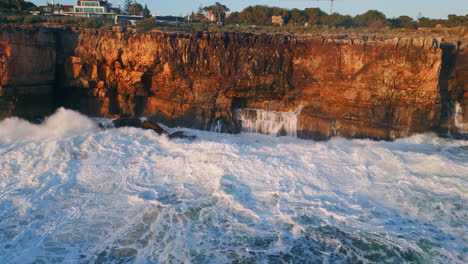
pixel 256 19
pixel 259 18
pixel 16 6
pixel 261 15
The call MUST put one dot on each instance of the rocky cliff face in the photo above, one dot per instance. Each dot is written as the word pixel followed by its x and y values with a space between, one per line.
pixel 27 70
pixel 377 88
pixel 374 88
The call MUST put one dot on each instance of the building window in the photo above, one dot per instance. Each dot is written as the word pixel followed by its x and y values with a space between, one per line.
pixel 89 10
pixel 90 3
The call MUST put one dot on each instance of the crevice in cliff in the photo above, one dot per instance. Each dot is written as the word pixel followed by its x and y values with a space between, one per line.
pixel 449 57
pixel 58 92
pixel 114 108
pixel 141 99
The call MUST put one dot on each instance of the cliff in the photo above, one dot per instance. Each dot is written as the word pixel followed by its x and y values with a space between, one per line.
pixel 27 71
pixel 379 88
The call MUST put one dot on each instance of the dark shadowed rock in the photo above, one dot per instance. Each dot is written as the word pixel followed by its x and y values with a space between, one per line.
pixel 182 134
pixel 155 127
pixel 127 122
pixel 37 120
pixel 135 122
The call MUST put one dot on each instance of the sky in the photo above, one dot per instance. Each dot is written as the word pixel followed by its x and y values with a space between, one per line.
pixel 391 8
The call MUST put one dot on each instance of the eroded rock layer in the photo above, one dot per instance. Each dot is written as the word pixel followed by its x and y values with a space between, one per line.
pixel 355 87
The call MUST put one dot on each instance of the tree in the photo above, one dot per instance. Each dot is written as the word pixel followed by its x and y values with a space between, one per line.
pixel 454 20
pixel 199 15
pixel 146 12
pixel 19 5
pixel 127 6
pixel 426 22
pixel 298 16
pixel 372 18
pixel 218 10
pixel 136 9
pixel 262 15
pixel 257 15
pixel 337 20
pixel 315 15
pixel 403 22
pixel 233 18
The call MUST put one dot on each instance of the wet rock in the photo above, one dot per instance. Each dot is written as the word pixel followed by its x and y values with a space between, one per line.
pixel 155 127
pixel 182 134
pixel 127 122
pixel 37 120
pixel 136 122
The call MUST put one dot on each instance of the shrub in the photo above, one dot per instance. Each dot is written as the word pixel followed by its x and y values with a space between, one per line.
pixel 70 20
pixel 33 19
pixel 15 19
pixel 92 23
pixel 54 19
pixel 146 25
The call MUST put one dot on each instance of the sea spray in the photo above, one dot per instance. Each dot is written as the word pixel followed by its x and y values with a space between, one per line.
pixel 63 122
pixel 131 196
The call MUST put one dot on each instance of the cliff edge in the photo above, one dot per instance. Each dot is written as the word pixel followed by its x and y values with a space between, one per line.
pixel 358 87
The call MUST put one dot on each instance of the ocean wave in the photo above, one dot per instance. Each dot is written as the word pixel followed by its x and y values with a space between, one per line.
pixel 71 193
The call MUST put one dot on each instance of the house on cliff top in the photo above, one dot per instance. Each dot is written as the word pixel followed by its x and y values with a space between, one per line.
pixel 83 8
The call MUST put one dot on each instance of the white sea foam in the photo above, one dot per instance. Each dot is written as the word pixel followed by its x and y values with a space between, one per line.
pixel 70 193
pixel 63 123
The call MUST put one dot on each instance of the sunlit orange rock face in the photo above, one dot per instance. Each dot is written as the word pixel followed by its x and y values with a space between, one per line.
pixel 379 88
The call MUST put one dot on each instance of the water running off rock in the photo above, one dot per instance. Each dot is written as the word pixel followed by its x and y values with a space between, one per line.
pixel 461 125
pixel 268 122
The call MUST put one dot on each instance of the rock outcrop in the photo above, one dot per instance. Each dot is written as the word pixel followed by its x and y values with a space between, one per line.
pixel 379 88
pixel 148 125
